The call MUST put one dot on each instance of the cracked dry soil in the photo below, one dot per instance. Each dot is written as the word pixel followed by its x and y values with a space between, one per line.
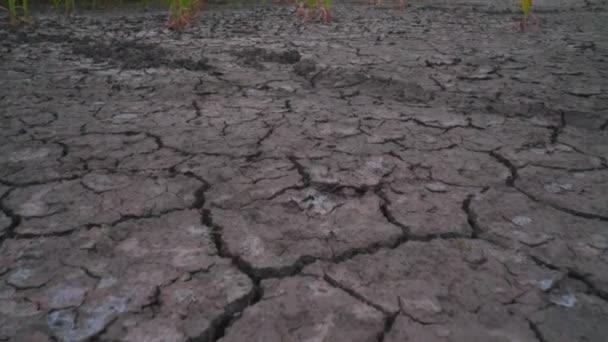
pixel 418 176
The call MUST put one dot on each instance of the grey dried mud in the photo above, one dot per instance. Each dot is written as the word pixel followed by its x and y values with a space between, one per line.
pixel 427 175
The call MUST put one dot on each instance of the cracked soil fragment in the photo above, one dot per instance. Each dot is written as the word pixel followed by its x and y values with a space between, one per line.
pixel 278 235
pixel 306 309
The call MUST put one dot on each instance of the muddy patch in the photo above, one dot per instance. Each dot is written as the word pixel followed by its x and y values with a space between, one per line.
pixel 253 57
pixel 135 55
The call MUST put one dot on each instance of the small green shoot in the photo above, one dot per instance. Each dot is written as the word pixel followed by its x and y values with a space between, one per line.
pixel 12 12
pixel 69 6
pixel 307 9
pixel 56 4
pixel 13 18
pixel 326 11
pixel 183 12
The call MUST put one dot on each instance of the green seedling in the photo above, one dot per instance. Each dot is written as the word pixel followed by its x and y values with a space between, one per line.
pixel 527 18
pixel 12 12
pixel 301 9
pixel 526 6
pixel 326 11
pixel 183 12
pixel 69 6
pixel 307 9
pixel 13 18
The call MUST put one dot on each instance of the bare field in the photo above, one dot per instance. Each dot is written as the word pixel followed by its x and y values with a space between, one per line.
pixel 432 175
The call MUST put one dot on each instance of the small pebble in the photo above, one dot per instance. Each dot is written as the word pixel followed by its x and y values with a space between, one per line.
pixel 436 187
pixel 567 300
pixel 545 284
pixel 521 221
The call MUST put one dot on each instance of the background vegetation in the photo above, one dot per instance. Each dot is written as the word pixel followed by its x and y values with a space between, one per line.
pixel 182 13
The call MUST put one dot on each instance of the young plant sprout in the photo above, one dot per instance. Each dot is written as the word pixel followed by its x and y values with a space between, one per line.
pixel 525 7
pixel 12 11
pixel 69 6
pixel 182 12
pixel 528 16
pixel 326 11
pixel 308 9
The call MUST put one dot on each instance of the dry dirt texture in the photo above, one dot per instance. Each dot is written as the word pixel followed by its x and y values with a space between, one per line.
pixel 420 176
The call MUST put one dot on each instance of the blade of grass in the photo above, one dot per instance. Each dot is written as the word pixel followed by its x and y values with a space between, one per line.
pixel 26 9
pixel 327 11
pixel 56 4
pixel 12 9
pixel 12 12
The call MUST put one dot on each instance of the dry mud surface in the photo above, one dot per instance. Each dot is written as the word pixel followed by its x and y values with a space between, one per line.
pixel 421 176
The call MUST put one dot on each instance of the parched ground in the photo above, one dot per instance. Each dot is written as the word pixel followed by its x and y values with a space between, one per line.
pixel 430 175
